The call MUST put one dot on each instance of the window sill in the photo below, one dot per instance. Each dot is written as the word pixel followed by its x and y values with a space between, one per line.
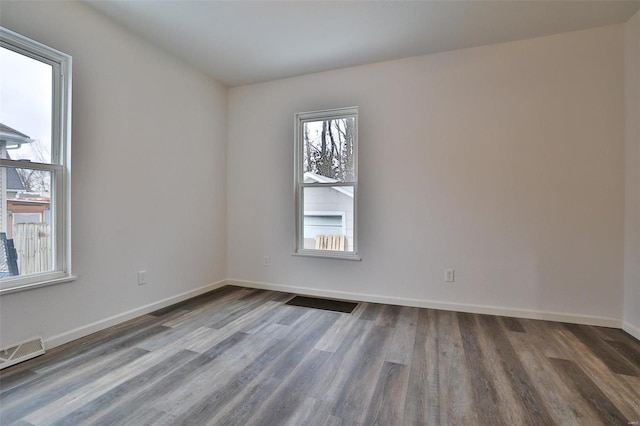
pixel 328 255
pixel 30 286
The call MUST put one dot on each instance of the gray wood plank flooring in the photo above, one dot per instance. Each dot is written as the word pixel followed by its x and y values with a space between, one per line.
pixel 239 356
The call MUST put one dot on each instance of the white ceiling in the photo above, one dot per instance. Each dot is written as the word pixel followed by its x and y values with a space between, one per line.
pixel 243 42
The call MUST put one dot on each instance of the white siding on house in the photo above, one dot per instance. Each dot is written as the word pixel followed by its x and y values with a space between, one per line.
pixel 3 199
pixel 329 200
pixel 3 190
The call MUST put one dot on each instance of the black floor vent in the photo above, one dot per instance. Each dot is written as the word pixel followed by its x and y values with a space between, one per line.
pixel 326 304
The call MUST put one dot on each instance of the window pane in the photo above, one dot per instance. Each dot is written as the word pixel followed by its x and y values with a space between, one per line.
pixel 25 220
pixel 26 90
pixel 328 218
pixel 328 150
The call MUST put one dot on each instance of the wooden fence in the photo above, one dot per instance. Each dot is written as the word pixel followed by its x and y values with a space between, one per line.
pixel 33 244
pixel 331 242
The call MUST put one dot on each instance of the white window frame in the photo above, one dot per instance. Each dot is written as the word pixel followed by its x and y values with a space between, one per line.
pixel 299 184
pixel 60 166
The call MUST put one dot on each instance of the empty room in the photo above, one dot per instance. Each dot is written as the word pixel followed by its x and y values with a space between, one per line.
pixel 319 212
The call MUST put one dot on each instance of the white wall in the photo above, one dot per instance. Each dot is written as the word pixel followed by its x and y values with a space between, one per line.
pixel 632 177
pixel 504 162
pixel 149 177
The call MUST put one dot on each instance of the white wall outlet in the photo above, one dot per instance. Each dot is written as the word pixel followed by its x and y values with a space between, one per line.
pixel 265 261
pixel 449 275
pixel 142 279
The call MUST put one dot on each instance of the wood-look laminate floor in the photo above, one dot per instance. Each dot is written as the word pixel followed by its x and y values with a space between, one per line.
pixel 239 356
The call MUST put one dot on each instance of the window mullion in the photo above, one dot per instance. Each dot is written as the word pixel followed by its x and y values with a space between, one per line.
pixel 23 164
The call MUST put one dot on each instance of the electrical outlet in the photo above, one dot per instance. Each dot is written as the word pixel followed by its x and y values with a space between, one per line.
pixel 449 275
pixel 141 277
pixel 265 261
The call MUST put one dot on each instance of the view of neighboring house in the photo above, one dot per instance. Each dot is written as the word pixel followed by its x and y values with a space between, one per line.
pixel 10 183
pixel 14 184
pixel 327 211
pixel 24 216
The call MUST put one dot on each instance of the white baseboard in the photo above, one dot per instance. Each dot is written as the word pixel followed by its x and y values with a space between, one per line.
pixel 634 331
pixel 85 330
pixel 446 306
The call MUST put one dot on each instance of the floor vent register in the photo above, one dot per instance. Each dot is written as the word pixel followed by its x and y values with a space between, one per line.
pixel 324 304
pixel 21 352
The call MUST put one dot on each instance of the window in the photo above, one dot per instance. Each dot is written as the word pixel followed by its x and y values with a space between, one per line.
pixel 326 181
pixel 35 134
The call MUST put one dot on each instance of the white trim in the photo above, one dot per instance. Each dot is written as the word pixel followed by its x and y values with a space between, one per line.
pixel 85 330
pixel 322 181
pixel 299 185
pixel 60 165
pixel 57 278
pixel 29 47
pixel 446 306
pixel 634 331
pixel 15 140
pixel 328 254
pixel 327 113
pixel 26 164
